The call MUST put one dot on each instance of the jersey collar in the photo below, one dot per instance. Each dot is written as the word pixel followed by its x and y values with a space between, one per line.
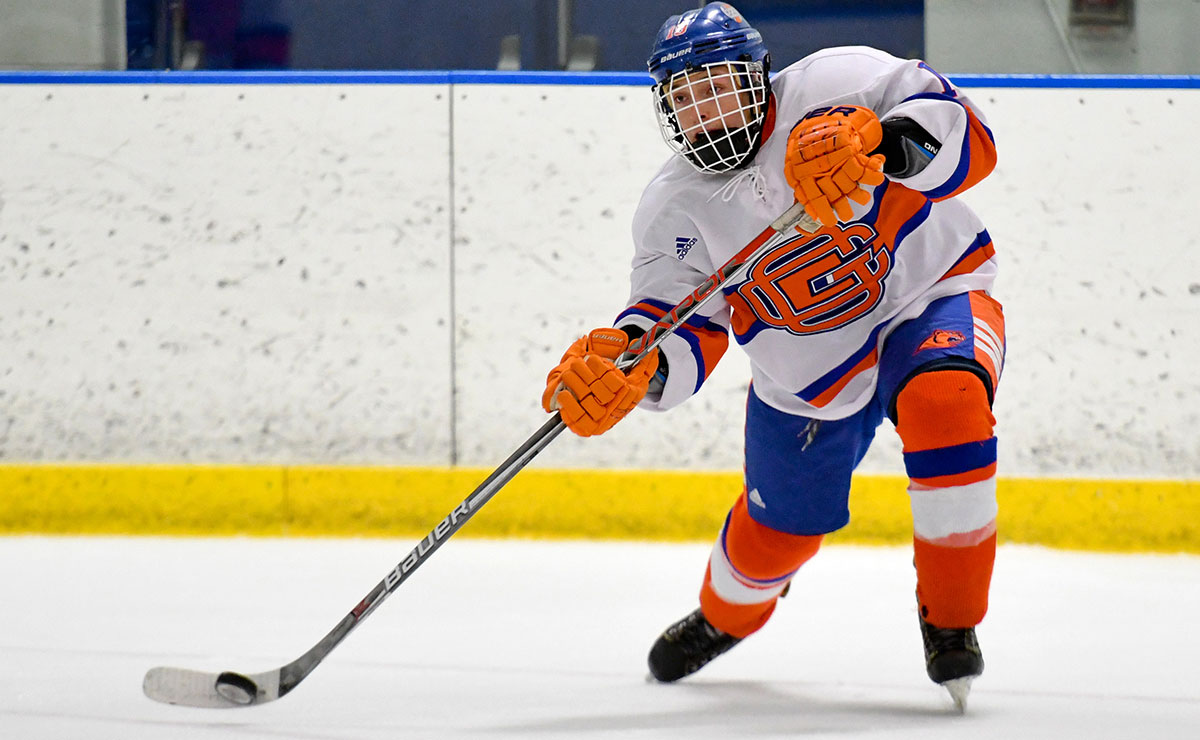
pixel 769 121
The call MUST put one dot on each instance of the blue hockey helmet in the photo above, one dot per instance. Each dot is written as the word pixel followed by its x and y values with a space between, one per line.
pixel 710 70
pixel 715 33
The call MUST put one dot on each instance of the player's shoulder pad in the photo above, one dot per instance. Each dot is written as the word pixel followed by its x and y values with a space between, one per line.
pixel 846 58
pixel 835 73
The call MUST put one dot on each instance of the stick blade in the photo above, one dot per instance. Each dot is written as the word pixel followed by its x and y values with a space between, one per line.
pixel 204 689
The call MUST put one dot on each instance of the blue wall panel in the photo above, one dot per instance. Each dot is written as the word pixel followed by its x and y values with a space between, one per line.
pixel 431 34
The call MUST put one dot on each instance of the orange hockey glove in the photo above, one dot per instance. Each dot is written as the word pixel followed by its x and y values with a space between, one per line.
pixel 827 163
pixel 589 391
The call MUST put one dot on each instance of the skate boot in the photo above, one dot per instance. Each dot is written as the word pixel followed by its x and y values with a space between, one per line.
pixel 952 659
pixel 686 647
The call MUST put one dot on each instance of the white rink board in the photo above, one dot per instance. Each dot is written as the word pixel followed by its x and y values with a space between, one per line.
pixel 1102 336
pixel 1091 210
pixel 225 273
pixel 549 216
pixel 148 316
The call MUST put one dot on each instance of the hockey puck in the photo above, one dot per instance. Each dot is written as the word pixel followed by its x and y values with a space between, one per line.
pixel 236 688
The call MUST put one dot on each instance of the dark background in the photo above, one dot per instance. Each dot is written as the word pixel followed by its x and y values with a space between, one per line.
pixel 436 34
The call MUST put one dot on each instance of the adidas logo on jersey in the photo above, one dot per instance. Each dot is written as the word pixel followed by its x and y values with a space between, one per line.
pixel 683 245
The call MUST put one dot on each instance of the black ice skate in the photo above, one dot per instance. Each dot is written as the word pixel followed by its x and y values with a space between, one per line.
pixel 952 659
pixel 686 647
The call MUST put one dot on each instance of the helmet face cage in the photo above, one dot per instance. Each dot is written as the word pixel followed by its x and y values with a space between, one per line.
pixel 713 114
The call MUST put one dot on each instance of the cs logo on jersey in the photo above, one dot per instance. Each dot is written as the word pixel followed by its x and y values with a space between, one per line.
pixel 817 283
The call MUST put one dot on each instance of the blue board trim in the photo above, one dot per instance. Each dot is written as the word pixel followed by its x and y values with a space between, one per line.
pixel 487 77
pixel 1079 81
pixel 321 77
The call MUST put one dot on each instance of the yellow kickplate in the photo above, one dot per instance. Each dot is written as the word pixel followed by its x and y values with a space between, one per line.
pixel 1110 515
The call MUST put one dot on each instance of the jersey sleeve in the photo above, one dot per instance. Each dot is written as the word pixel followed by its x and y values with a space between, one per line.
pixel 967 151
pixel 909 88
pixel 670 261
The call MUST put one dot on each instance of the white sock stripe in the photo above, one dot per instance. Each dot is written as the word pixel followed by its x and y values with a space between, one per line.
pixel 941 512
pixel 727 584
pixel 966 539
pixel 749 581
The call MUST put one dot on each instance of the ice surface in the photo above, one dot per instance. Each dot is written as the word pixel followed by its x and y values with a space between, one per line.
pixel 545 640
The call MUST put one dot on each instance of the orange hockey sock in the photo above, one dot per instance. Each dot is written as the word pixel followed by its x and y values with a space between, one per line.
pixel 946 423
pixel 953 582
pixel 750 566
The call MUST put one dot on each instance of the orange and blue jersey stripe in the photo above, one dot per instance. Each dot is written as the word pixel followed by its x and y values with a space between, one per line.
pixel 828 386
pixel 987 335
pixel 980 250
pixel 897 212
pixel 707 339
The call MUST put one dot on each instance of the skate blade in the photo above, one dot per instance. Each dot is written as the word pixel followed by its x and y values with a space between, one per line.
pixel 959 688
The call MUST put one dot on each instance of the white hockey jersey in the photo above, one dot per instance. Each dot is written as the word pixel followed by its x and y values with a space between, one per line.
pixel 813 314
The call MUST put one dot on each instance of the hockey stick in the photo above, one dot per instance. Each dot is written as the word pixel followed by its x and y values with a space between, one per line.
pixel 229 689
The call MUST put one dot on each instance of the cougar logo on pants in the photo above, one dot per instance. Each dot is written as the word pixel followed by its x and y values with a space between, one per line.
pixel 817 283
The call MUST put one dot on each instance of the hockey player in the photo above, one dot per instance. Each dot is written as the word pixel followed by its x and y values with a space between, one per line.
pixel 884 311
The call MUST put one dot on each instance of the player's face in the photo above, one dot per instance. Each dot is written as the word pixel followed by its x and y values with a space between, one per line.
pixel 709 99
